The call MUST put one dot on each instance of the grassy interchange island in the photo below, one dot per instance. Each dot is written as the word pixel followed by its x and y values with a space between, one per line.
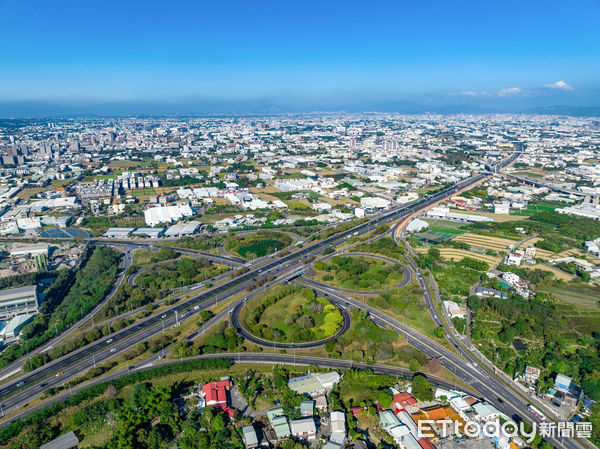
pixel 179 273
pixel 291 314
pixel 360 273
pixel 254 246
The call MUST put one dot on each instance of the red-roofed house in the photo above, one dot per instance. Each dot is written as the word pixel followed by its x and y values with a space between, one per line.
pixel 356 411
pixel 402 400
pixel 425 443
pixel 215 393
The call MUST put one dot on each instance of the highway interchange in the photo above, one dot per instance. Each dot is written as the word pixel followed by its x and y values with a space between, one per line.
pixel 22 389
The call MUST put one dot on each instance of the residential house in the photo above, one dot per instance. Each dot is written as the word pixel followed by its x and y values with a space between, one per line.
pixel 304 428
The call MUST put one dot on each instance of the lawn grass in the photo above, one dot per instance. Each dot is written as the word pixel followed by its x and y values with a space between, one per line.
pixel 294 317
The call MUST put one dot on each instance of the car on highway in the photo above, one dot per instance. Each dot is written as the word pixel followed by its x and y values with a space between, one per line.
pixel 164 315
pixel 109 341
pixel 197 308
pixel 113 349
pixel 20 384
pixel 59 373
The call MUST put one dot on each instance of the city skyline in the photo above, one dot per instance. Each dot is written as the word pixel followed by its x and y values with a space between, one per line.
pixel 67 57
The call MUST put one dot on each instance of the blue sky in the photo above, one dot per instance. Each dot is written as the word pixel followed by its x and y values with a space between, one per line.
pixel 525 52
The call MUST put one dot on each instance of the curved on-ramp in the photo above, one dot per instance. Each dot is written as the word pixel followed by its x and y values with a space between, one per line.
pixel 236 323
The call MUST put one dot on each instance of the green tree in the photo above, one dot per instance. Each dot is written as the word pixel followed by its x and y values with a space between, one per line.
pixel 421 388
pixel 385 398
pixel 414 365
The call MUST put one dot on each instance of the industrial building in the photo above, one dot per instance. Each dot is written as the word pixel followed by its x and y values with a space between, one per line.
pixel 14 326
pixel 152 233
pixel 30 250
pixel 183 229
pixel 118 233
pixel 167 214
pixel 16 301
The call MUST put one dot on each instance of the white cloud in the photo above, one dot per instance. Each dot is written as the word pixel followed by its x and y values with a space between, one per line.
pixel 559 85
pixel 509 92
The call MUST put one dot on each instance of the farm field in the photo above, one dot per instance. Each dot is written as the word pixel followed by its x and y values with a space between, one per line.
pixel 555 271
pixel 337 202
pixel 266 197
pixel 485 241
pixel 580 305
pixel 298 204
pixel 266 189
pixel 459 254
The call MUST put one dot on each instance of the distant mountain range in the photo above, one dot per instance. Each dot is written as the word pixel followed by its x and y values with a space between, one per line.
pixel 41 109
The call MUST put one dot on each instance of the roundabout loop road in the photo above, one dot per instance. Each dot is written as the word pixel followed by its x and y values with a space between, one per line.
pixel 405 281
pixel 237 324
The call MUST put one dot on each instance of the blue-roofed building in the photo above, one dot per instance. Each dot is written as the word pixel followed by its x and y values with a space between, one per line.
pixel 562 383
